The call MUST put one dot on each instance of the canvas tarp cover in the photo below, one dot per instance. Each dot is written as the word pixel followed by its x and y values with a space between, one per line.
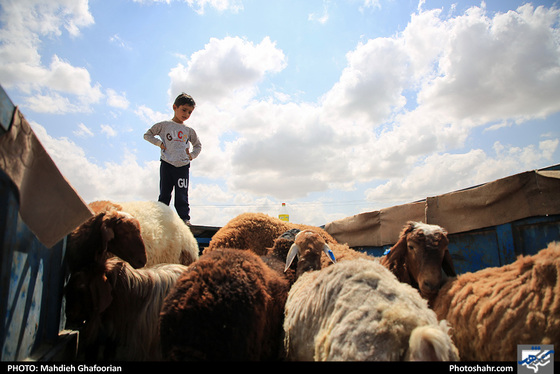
pixel 375 228
pixel 48 204
pixel 529 194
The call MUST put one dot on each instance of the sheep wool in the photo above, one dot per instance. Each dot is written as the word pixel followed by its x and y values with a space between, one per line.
pixel 495 309
pixel 357 310
pixel 166 237
pixel 257 232
pixel 120 306
pixel 228 306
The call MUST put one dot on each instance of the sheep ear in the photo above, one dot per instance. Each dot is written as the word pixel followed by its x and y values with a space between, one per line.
pixel 292 253
pixel 396 253
pixel 447 264
pixel 329 253
pixel 107 234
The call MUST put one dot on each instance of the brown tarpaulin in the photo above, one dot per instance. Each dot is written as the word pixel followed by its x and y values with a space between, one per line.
pixel 48 205
pixel 529 194
pixel 376 228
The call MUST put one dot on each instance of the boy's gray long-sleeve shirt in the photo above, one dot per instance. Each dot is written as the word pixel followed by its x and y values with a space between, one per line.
pixel 176 137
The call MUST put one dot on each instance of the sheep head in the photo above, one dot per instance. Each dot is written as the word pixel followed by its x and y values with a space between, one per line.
pixel 115 232
pixel 308 246
pixel 122 235
pixel 88 294
pixel 419 256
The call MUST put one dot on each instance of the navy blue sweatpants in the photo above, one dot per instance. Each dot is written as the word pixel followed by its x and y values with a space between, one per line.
pixel 172 177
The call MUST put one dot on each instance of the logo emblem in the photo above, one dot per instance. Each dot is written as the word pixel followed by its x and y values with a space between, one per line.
pixel 535 359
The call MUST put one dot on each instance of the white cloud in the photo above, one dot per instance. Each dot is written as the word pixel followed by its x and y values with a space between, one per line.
pixel 118 180
pixel 442 173
pixel 83 131
pixel 227 69
pixel 398 120
pixel 372 4
pixel 220 5
pixel 371 87
pixel 322 17
pixel 150 116
pixel 117 100
pixel 24 24
pixel 116 39
pixel 364 130
pixel 496 68
pixel 108 131
pixel 200 5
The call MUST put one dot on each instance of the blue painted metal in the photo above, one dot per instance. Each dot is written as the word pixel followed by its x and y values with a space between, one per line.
pixel 474 250
pixel 203 235
pixel 31 283
pixel 533 234
pixel 31 276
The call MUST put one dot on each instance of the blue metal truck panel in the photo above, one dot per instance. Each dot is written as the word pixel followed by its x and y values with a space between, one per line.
pixel 31 283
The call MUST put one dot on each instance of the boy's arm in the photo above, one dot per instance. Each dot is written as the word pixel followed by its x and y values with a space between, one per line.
pixel 197 146
pixel 150 136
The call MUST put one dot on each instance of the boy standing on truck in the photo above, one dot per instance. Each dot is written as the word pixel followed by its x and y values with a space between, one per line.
pixel 174 138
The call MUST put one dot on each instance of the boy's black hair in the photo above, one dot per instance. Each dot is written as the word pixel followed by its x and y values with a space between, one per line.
pixel 183 99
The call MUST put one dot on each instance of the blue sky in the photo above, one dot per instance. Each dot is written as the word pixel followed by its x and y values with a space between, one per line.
pixel 334 107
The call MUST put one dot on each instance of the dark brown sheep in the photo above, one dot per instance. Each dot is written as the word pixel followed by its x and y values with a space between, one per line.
pixel 228 306
pixel 115 232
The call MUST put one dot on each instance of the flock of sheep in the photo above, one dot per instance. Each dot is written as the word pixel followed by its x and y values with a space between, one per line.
pixel 269 290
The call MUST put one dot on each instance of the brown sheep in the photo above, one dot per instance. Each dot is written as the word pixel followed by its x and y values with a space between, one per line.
pixel 258 233
pixel 493 310
pixel 116 308
pixel 419 256
pixel 115 232
pixel 228 306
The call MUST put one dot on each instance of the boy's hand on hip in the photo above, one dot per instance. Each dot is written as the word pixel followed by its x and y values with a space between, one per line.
pixel 162 146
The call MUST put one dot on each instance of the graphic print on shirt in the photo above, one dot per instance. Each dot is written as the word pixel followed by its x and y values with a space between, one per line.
pixel 176 136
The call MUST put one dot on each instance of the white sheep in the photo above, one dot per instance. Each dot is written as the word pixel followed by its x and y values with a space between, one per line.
pixel 116 308
pixel 166 237
pixel 357 310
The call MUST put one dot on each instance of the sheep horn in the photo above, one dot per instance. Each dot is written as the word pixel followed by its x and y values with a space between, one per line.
pixel 294 250
pixel 329 253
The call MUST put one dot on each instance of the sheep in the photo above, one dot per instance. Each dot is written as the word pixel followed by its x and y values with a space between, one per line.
pixel 419 256
pixel 495 309
pixel 114 232
pixel 166 237
pixel 229 305
pixel 257 232
pixel 116 308
pixel 305 248
pixel 358 311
